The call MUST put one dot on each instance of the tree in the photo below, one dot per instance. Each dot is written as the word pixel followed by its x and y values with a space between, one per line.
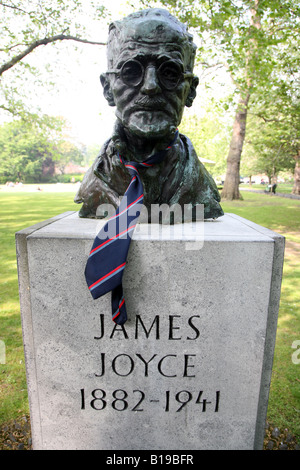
pixel 267 151
pixel 27 26
pixel 243 36
pixel 210 136
pixel 67 152
pixel 296 188
pixel 274 130
pixel 29 150
pixel 90 153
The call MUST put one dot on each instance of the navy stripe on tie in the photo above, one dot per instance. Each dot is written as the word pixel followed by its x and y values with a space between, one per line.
pixel 107 276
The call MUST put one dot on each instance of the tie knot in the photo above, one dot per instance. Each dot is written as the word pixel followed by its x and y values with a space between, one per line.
pixel 132 167
pixel 150 161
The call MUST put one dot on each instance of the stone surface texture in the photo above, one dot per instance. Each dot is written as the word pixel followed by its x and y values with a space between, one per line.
pixel 192 366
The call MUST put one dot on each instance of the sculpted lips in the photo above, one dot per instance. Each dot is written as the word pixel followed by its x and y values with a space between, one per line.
pixel 154 103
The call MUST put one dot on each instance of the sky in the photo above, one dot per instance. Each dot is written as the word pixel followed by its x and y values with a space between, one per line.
pixel 77 95
pixel 78 92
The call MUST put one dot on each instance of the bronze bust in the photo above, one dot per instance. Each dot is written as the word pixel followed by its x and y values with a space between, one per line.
pixel 149 80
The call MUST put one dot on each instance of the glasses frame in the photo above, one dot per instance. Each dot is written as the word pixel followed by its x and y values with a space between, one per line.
pixel 182 76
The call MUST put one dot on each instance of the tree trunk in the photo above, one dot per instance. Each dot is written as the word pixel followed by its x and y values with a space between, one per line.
pixel 296 188
pixel 274 176
pixel 232 180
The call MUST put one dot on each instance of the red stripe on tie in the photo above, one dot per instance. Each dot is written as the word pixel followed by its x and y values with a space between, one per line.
pixel 110 239
pixel 108 274
pixel 124 210
pixel 140 197
pixel 132 167
pixel 119 311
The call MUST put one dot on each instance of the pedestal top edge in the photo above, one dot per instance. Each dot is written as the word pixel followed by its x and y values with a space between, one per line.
pixel 228 227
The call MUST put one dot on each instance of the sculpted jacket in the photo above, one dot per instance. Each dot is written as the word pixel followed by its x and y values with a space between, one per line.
pixel 180 179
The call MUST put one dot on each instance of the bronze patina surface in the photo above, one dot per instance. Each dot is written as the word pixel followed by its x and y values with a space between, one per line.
pixel 149 80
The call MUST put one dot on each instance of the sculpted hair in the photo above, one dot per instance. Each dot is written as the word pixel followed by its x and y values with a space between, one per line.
pixel 119 34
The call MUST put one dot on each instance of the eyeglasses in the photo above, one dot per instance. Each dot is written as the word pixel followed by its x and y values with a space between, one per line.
pixel 169 73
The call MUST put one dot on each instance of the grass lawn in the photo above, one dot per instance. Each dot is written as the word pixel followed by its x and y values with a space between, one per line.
pixel 283 216
pixel 22 208
pixel 19 209
pixel 281 187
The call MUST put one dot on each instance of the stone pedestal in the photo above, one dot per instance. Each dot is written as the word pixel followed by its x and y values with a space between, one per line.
pixel 192 366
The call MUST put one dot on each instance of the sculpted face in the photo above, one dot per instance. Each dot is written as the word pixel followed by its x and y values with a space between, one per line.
pixel 150 80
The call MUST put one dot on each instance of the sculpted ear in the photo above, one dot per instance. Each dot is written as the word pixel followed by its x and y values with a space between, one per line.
pixel 192 93
pixel 107 89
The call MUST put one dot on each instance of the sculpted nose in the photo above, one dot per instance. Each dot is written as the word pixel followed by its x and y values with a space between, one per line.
pixel 151 83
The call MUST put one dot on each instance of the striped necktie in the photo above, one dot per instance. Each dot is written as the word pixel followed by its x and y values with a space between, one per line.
pixel 107 259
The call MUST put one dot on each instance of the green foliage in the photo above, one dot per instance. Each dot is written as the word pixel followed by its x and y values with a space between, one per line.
pixel 257 42
pixel 25 27
pixel 90 153
pixel 23 148
pixel 29 151
pixel 281 215
pixel 67 152
pixel 273 135
pixel 17 211
pixel 210 136
pixel 226 31
pixel 69 178
pixel 267 150
pixel 244 36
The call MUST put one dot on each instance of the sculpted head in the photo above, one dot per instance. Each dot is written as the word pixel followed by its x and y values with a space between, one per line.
pixel 150 72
